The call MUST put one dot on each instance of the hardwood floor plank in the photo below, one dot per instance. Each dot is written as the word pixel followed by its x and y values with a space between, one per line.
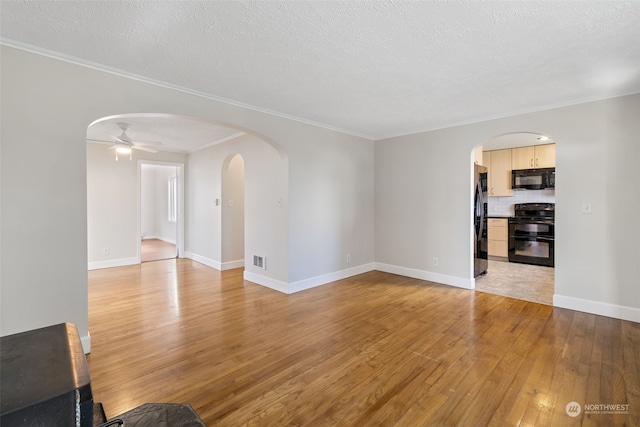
pixel 374 349
pixel 156 250
pixel 498 388
pixel 631 374
pixel 542 405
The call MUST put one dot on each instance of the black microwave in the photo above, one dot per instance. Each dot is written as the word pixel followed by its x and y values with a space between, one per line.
pixel 533 179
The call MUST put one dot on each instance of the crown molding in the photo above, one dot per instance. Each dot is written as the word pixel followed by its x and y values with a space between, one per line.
pixel 116 71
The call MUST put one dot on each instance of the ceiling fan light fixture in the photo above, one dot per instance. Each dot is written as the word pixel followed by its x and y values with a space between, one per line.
pixel 123 150
pixel 124 145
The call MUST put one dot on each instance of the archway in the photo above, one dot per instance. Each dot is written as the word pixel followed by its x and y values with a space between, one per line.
pixel 222 150
pixel 520 227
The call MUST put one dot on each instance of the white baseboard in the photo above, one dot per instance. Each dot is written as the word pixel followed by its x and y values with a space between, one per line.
pixel 323 279
pixel 631 314
pixel 230 265
pixel 267 282
pixel 173 242
pixel 86 343
pixel 301 285
pixel 203 260
pixel 96 265
pixel 426 275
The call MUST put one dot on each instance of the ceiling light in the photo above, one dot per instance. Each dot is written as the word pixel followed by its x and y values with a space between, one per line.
pixel 123 149
pixel 543 138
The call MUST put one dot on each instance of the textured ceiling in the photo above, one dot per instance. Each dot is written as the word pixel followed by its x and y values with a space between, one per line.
pixel 370 68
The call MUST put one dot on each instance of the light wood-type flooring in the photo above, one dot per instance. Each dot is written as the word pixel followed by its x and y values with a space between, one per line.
pixel 522 281
pixel 156 249
pixel 373 350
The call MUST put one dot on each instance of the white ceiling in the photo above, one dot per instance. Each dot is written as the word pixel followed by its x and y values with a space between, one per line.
pixel 370 68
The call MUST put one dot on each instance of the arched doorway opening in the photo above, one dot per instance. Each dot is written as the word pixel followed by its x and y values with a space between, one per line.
pixel 233 181
pixel 519 216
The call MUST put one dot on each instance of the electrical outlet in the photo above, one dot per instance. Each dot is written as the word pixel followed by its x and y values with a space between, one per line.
pixel 348 257
pixel 105 251
pixel 435 262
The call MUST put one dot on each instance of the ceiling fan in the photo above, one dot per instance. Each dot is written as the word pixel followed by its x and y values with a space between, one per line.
pixel 123 144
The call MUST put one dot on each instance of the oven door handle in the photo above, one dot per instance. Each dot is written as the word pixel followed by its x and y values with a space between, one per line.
pixel 530 221
pixel 528 238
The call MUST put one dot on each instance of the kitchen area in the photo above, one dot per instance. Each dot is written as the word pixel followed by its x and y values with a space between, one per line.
pixel 515 217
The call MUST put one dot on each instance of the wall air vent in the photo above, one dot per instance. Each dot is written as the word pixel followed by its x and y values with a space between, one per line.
pixel 260 261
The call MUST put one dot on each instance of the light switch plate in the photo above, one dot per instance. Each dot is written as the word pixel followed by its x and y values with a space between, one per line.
pixel 586 208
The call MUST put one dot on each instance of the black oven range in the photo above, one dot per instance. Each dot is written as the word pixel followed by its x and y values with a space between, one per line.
pixel 532 234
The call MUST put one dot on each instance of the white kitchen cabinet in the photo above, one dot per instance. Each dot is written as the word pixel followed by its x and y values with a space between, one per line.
pixel 538 156
pixel 499 164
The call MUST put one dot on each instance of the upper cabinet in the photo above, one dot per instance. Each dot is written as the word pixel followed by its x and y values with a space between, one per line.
pixel 522 158
pixel 538 156
pixel 545 156
pixel 499 164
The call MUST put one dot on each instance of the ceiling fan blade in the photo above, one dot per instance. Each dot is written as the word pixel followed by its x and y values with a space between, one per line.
pixel 149 150
pixel 104 141
pixel 147 142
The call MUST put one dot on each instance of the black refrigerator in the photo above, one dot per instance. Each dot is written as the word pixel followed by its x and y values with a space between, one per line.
pixel 480 242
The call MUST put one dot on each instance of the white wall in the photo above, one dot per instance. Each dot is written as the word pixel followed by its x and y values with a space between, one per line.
pixel 423 202
pixel 147 202
pixel 112 204
pixel 212 230
pixel 164 229
pixel 621 205
pixel 44 202
pixel 233 211
pixel 331 195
